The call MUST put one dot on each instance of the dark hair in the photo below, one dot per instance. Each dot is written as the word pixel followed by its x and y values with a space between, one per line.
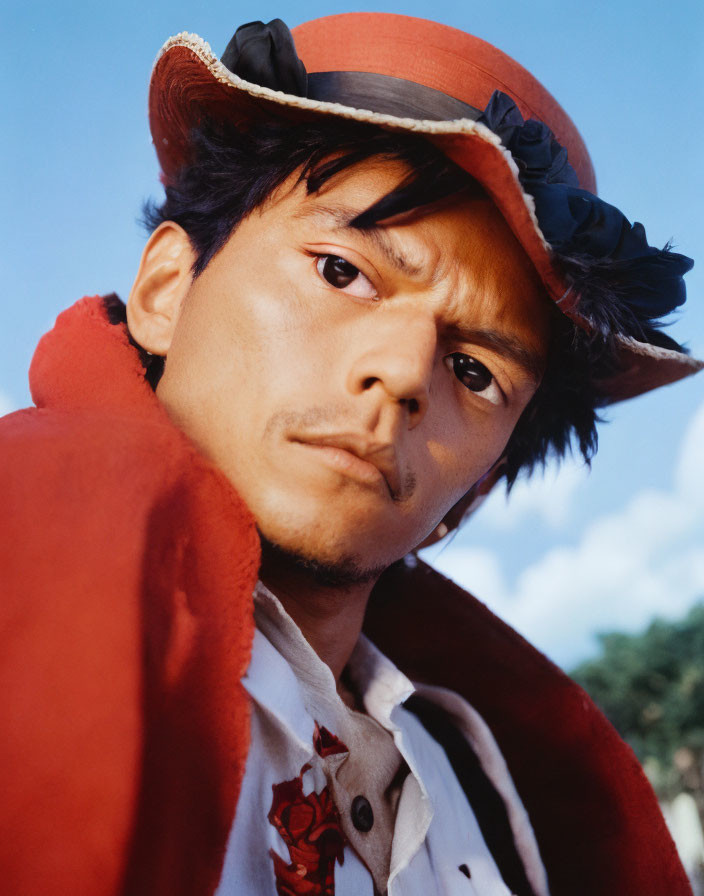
pixel 232 172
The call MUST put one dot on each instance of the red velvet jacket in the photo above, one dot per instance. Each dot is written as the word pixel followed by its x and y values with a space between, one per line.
pixel 127 566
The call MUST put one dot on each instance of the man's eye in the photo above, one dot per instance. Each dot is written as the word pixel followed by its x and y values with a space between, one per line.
pixel 342 274
pixel 475 376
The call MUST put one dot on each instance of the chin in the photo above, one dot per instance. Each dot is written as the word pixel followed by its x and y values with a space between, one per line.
pixel 342 541
pixel 332 558
pixel 324 571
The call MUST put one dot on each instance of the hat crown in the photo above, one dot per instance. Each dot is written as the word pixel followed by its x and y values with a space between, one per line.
pixel 440 57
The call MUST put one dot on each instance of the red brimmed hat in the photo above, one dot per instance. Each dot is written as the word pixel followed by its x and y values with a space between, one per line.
pixel 483 110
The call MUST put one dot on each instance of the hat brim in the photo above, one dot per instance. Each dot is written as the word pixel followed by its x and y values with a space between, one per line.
pixel 189 83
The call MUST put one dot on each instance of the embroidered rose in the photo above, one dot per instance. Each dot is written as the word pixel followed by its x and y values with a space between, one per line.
pixel 327 744
pixel 310 826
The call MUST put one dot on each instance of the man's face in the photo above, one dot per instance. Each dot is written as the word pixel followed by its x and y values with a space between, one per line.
pixel 354 385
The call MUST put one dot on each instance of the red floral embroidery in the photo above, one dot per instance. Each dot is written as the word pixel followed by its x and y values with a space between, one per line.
pixel 327 744
pixel 310 827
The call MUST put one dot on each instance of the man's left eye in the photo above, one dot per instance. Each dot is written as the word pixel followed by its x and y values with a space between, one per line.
pixel 475 376
pixel 342 274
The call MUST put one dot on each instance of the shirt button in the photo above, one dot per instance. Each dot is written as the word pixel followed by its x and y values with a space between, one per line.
pixel 362 815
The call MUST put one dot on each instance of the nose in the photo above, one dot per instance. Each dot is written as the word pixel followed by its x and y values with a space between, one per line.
pixel 396 359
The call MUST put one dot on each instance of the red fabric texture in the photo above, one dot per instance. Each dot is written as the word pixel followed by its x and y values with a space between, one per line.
pixel 127 565
pixel 595 816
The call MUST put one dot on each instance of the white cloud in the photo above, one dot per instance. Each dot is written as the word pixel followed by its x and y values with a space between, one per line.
pixel 644 560
pixel 6 404
pixel 689 476
pixel 547 497
pixel 478 570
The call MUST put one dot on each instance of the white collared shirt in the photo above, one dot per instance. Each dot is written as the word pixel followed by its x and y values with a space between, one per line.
pixel 311 756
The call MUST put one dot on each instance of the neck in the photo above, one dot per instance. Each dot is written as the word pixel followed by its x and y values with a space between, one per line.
pixel 329 616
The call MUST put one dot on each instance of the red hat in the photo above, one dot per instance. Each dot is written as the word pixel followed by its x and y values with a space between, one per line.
pixel 483 109
pixel 480 107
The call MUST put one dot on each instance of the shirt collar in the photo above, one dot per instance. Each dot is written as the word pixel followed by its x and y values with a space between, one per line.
pixel 380 685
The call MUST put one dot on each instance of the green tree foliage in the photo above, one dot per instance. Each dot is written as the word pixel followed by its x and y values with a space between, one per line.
pixel 651 687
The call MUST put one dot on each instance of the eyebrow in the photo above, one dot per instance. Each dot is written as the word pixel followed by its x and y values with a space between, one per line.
pixel 342 219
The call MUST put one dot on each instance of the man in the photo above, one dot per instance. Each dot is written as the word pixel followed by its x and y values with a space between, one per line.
pixel 373 290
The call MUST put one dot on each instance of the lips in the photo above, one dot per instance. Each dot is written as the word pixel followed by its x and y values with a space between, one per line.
pixel 373 456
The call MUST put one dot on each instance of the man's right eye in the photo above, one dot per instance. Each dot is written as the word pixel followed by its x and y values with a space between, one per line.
pixel 342 274
pixel 474 376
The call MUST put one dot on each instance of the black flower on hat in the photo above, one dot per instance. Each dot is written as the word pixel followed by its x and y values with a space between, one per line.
pixel 265 54
pixel 577 223
pixel 540 158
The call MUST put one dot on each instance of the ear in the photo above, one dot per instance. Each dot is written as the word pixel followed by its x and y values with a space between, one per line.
pixel 162 283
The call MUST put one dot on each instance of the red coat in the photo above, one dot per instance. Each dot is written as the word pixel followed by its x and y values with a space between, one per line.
pixel 127 567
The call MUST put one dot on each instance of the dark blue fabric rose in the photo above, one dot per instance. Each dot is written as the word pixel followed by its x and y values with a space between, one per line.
pixel 577 223
pixel 502 116
pixel 542 159
pixel 532 144
pixel 266 55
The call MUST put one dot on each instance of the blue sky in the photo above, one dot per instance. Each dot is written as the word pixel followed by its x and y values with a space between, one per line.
pixel 569 555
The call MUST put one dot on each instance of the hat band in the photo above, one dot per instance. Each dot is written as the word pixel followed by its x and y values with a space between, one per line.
pixel 387 95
